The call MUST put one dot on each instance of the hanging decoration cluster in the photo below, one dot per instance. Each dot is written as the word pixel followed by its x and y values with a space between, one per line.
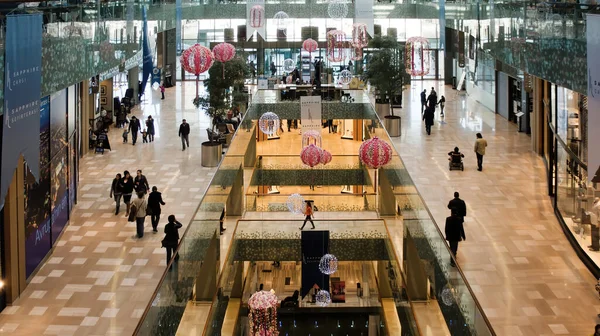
pixel 325 157
pixel 281 19
pixel 335 45
pixel 310 45
pixel 375 153
pixel 328 264
pixel 223 52
pixel 417 56
pixel 257 16
pixel 295 203
pixel 269 123
pixel 323 298
pixel 263 314
pixel 311 155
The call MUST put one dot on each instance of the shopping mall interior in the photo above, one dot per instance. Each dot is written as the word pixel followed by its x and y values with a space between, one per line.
pixel 305 149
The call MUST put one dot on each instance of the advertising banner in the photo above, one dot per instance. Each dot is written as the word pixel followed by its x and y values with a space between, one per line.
pixel 59 194
pixel 22 91
pixel 314 245
pixel 363 13
pixel 310 113
pixel 593 50
pixel 37 198
pixel 148 62
pixel 255 18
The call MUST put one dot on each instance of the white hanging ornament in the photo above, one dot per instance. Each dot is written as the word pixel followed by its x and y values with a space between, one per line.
pixel 281 20
pixel 345 77
pixel 447 296
pixel 328 264
pixel 323 298
pixel 295 203
pixel 289 65
pixel 269 123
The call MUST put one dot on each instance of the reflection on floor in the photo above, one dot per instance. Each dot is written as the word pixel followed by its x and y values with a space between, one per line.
pixel 285 279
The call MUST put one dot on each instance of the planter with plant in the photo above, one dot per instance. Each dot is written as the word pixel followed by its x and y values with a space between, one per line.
pixel 385 72
pixel 225 87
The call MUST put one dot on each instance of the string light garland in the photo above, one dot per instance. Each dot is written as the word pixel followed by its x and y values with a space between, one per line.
pixel 263 314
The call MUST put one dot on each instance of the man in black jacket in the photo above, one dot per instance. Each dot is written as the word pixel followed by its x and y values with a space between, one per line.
pixel 459 205
pixel 140 183
pixel 134 127
pixel 184 132
pixel 154 202
pixel 455 232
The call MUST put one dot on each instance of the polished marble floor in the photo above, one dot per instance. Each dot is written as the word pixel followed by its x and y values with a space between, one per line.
pixel 99 279
pixel 516 257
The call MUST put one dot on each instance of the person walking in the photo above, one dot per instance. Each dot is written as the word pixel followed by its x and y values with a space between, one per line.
pixel 432 98
pixel 480 145
pixel 116 191
pixel 273 69
pixel 154 202
pixel 184 133
pixel 442 103
pixel 171 238
pixel 150 128
pixel 308 211
pixel 141 183
pixel 127 190
pixel 140 207
pixel 428 116
pixel 459 205
pixel 162 91
pixel 423 100
pixel 134 128
pixel 455 233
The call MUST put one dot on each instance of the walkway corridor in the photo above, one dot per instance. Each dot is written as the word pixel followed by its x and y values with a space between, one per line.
pixel 516 257
pixel 99 278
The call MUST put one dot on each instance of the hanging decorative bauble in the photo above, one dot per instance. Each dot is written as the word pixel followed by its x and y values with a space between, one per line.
pixel 375 153
pixel 325 157
pixel 224 52
pixel 337 10
pixel 417 56
pixel 263 300
pixel 335 45
pixel 345 77
pixel 360 38
pixel 310 45
pixel 269 123
pixel 447 296
pixel 328 264
pixel 257 16
pixel 311 137
pixel 107 52
pixel 196 59
pixel 263 314
pixel 311 155
pixel 295 203
pixel 289 65
pixel 357 53
pixel 323 298
pixel 281 20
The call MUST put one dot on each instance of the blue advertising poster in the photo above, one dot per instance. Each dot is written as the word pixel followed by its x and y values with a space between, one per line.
pixel 314 245
pixel 22 91
pixel 37 199
pixel 59 193
pixel 58 123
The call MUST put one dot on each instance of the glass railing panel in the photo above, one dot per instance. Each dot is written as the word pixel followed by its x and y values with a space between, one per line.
pixel 323 202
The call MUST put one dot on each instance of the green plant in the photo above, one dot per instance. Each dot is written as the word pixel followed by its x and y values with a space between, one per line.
pixel 385 70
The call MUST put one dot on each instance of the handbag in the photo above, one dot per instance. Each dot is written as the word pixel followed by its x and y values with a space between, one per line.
pixel 132 213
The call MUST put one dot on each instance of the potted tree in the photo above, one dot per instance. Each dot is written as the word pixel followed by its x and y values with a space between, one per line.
pixel 225 87
pixel 385 71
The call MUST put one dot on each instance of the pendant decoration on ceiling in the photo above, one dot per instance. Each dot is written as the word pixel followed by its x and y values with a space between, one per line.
pixel 263 313
pixel 417 56
pixel 335 45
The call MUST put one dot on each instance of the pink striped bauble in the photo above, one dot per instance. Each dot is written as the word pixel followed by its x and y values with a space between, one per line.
pixel 375 153
pixel 310 45
pixel 196 59
pixel 257 16
pixel 224 52
pixel 311 155
pixel 325 157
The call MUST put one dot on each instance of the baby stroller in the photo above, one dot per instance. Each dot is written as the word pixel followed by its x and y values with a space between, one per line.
pixel 455 160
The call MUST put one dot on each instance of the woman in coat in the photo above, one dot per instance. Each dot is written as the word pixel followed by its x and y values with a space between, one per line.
pixel 428 117
pixel 116 191
pixel 154 202
pixel 171 238
pixel 150 127
pixel 455 232
pixel 127 189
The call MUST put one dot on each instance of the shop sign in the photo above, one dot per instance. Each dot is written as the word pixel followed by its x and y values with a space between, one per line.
pixel 134 61
pixel 110 73
pixel 310 113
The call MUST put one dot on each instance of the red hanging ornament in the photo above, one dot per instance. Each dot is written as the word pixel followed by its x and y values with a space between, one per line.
pixel 335 45
pixel 224 52
pixel 325 157
pixel 311 155
pixel 310 45
pixel 196 60
pixel 417 56
pixel 375 153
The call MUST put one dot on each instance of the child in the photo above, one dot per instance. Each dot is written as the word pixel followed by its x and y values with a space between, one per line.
pixel 125 134
pixel 144 136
